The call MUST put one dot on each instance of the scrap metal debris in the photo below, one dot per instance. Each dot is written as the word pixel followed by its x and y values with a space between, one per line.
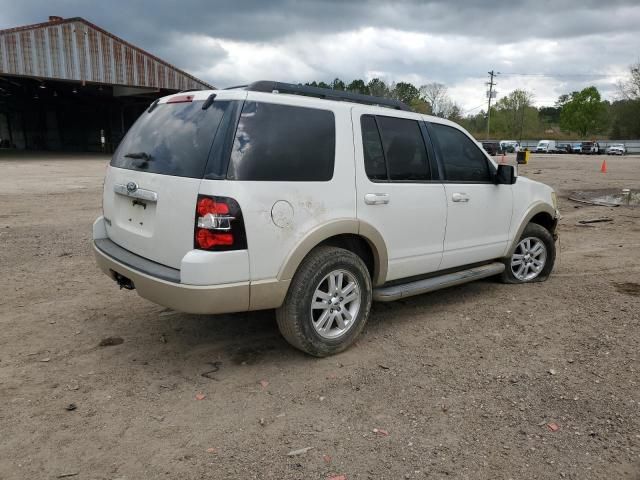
pixel 110 341
pixel 596 220
pixel 215 368
pixel 300 451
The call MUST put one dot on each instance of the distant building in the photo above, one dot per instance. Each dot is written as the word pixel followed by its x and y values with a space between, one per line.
pixel 67 84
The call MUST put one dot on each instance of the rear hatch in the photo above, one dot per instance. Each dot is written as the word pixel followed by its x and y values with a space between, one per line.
pixel 152 183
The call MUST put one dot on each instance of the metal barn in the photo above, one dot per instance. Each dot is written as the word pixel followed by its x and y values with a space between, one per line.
pixel 69 85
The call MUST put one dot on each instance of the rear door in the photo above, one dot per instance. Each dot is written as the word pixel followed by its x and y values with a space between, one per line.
pixel 152 183
pixel 398 192
pixel 479 212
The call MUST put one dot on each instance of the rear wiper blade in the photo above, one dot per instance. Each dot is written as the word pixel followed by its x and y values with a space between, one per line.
pixel 139 155
pixel 209 101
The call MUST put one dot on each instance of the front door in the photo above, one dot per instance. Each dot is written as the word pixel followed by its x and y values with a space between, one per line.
pixel 479 212
pixel 395 191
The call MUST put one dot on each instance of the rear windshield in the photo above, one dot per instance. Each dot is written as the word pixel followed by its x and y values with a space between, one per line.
pixel 172 139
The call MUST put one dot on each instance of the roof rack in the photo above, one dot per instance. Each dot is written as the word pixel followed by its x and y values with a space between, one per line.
pixel 235 87
pixel 269 86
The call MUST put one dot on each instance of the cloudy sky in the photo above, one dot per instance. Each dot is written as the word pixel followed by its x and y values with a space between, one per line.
pixel 549 48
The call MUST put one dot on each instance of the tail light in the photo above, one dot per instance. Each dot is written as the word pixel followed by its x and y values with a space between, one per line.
pixel 219 225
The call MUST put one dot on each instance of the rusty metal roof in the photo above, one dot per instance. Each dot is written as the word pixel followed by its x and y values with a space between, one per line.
pixel 75 49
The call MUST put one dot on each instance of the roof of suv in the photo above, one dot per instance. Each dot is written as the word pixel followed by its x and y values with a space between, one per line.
pixel 376 105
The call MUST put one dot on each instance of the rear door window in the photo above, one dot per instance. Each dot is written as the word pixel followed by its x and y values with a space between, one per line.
pixel 462 158
pixel 283 143
pixel 394 149
pixel 172 139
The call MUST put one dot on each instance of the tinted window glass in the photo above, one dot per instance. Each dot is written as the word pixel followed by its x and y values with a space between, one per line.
pixel 283 143
pixel 374 164
pixel 463 160
pixel 174 139
pixel 404 149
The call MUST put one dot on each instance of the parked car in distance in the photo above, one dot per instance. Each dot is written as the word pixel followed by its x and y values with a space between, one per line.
pixel 491 147
pixel 546 146
pixel 508 146
pixel 617 149
pixel 562 148
pixel 269 197
pixel 576 148
pixel 591 148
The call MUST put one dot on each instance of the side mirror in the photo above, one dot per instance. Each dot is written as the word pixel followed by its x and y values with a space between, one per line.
pixel 505 175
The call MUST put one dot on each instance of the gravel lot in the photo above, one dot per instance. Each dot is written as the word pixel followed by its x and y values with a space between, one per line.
pixel 468 383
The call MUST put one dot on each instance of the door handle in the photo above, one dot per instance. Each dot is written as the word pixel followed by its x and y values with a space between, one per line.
pixel 460 197
pixel 376 198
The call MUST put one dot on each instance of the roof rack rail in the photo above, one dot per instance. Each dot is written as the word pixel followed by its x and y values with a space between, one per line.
pixel 269 86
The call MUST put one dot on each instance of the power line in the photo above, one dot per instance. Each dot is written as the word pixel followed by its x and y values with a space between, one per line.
pixel 603 75
pixel 474 108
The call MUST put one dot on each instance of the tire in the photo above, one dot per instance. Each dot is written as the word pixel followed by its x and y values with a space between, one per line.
pixel 519 273
pixel 313 323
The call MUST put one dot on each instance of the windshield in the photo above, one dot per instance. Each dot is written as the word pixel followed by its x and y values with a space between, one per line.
pixel 172 139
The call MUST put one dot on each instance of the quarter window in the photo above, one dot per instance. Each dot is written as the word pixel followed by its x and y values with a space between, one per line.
pixel 394 149
pixel 283 143
pixel 463 160
pixel 374 164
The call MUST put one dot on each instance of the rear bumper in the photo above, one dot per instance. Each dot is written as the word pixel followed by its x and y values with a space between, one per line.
pixel 161 284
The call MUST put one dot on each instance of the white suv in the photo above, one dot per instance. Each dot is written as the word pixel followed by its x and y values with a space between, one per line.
pixel 313 202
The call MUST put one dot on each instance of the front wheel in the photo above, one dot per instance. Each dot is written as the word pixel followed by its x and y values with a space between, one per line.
pixel 533 258
pixel 328 302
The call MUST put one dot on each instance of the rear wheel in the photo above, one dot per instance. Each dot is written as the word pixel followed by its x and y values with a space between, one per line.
pixel 533 258
pixel 328 302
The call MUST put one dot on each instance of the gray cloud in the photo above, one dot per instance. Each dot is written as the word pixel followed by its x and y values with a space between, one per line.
pixel 229 42
pixel 259 20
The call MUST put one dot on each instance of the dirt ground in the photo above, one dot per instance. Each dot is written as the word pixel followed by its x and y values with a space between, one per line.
pixel 467 383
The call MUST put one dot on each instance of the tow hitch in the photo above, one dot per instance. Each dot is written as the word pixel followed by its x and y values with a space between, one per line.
pixel 123 282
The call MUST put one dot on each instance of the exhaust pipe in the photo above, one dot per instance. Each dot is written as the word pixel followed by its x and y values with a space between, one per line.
pixel 123 282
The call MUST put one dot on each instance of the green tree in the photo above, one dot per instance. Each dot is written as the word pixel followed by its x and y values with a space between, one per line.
pixel 358 86
pixel 626 119
pixel 405 92
pixel 378 88
pixel 514 114
pixel 420 105
pixel 338 84
pixel 550 115
pixel 585 113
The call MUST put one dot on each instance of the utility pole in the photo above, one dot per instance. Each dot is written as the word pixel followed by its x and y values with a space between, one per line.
pixel 490 94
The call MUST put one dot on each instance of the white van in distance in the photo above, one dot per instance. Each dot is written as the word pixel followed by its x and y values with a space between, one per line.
pixel 546 146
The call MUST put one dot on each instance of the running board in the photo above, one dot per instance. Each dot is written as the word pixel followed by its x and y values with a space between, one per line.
pixel 396 292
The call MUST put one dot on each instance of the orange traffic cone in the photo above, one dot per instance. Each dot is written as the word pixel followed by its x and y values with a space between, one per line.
pixel 603 167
